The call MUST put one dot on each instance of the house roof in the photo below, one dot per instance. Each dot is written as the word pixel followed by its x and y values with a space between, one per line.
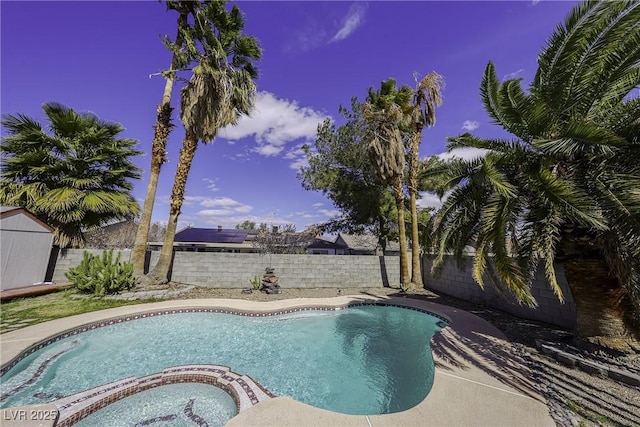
pixel 365 242
pixel 213 235
pixel 325 244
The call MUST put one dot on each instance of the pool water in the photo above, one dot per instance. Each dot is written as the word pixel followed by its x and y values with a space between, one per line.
pixel 362 360
pixel 174 405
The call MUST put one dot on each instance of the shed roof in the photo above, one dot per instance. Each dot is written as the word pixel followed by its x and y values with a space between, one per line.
pixel 8 211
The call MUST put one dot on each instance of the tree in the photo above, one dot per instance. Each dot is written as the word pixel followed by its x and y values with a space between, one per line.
pixel 246 225
pixel 163 126
pixel 383 110
pixel 340 168
pixel 284 240
pixel 565 189
pixel 75 177
pixel 221 89
pixel 426 97
pixel 120 235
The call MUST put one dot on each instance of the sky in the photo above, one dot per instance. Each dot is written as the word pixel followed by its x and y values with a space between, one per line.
pixel 104 57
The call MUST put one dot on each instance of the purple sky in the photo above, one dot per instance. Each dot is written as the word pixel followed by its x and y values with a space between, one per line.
pixel 98 56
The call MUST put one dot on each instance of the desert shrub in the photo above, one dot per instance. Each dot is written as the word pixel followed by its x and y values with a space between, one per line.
pixel 101 275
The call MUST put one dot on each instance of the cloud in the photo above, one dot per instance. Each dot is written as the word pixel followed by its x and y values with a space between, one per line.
pixel 317 205
pixel 465 153
pixel 331 213
pixel 274 123
pixel 211 184
pixel 311 37
pixel 350 22
pixel 430 200
pixel 513 75
pixel 535 2
pixel 226 203
pixel 470 125
pixel 298 158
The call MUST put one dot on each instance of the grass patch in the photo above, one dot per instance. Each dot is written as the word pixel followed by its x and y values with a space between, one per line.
pixel 589 414
pixel 32 310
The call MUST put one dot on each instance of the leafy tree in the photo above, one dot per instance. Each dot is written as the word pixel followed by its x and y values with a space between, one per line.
pixel 120 235
pixel 565 189
pixel 75 177
pixel 426 97
pixel 163 126
pixel 221 89
pixel 340 168
pixel 383 110
pixel 284 240
pixel 246 225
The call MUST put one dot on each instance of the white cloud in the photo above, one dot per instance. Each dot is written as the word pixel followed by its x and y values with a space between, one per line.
pixel 268 150
pixel 466 153
pixel 274 123
pixel 470 125
pixel 430 200
pixel 298 158
pixel 226 203
pixel 351 22
pixel 513 75
pixel 211 184
pixel 331 213
pixel 317 205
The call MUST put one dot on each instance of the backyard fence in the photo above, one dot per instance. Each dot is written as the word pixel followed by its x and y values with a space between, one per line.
pixel 234 270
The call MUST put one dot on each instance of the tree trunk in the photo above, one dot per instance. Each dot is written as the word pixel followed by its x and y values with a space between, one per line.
pixel 188 151
pixel 604 311
pixel 416 274
pixel 402 237
pixel 158 158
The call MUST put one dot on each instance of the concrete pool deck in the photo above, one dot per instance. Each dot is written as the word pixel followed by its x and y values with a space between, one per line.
pixel 477 381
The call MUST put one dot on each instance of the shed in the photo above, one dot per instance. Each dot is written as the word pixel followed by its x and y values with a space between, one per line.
pixel 25 248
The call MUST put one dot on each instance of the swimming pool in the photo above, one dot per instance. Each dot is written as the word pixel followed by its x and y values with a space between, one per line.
pixel 367 359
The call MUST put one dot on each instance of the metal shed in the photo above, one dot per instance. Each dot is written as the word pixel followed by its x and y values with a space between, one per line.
pixel 25 247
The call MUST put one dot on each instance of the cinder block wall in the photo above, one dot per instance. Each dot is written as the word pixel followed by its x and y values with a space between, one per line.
pixel 227 270
pixel 68 258
pixel 460 284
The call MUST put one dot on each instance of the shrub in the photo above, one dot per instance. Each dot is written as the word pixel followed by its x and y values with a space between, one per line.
pixel 101 275
pixel 256 282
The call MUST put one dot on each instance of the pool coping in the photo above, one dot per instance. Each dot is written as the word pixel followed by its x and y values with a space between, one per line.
pixel 477 382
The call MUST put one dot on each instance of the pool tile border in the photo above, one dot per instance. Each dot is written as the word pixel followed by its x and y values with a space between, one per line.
pixel 244 390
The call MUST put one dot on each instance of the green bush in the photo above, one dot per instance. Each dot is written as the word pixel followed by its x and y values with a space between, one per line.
pixel 256 282
pixel 101 275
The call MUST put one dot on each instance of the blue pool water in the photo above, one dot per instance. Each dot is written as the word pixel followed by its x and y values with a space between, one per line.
pixel 170 405
pixel 362 360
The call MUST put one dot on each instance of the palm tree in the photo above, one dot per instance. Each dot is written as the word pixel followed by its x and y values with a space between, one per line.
pixel 383 110
pixel 426 97
pixel 162 129
pixel 565 190
pixel 75 177
pixel 221 90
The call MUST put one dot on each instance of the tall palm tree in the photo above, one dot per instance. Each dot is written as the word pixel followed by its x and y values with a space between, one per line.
pixel 221 90
pixel 162 128
pixel 75 177
pixel 426 97
pixel 565 190
pixel 383 109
